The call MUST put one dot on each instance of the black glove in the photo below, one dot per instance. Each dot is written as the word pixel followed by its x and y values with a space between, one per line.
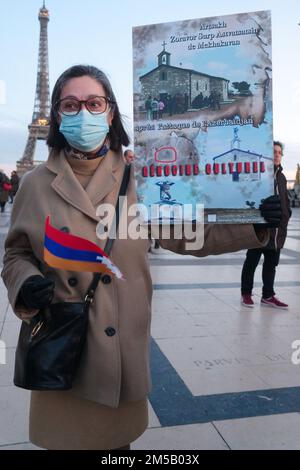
pixel 270 209
pixel 37 292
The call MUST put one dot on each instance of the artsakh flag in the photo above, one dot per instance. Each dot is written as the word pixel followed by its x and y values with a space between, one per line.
pixel 65 251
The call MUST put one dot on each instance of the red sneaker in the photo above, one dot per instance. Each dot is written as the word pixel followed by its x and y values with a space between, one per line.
pixel 273 302
pixel 247 301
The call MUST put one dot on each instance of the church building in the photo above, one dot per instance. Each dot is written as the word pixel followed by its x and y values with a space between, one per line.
pixel 253 163
pixel 167 79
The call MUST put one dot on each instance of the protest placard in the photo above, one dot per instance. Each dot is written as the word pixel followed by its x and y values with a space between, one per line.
pixel 203 116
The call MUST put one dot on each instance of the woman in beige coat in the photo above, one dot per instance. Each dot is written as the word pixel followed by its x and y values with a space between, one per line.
pixel 107 407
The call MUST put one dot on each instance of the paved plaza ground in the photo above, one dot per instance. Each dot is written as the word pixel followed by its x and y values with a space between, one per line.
pixel 222 374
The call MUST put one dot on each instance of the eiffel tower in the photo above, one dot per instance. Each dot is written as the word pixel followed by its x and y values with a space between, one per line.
pixel 39 127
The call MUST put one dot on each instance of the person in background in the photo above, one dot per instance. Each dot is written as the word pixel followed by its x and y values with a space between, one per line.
pixel 5 188
pixel 129 156
pixel 156 245
pixel 154 108
pixel 272 251
pixel 161 107
pixel 14 180
pixel 148 107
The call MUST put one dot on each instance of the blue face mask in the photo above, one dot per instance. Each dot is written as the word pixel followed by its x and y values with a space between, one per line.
pixel 84 131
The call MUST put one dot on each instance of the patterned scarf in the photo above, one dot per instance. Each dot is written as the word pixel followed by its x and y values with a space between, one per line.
pixel 71 152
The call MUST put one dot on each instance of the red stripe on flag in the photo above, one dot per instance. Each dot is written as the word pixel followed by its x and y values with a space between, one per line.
pixel 71 241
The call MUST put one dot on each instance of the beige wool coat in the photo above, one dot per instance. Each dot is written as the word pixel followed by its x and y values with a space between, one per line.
pixel 114 369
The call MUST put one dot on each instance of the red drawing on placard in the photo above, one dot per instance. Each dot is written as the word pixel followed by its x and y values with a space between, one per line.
pixel 157 151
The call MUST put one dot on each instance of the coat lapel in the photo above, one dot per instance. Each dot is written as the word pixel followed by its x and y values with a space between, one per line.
pixel 68 187
pixel 105 178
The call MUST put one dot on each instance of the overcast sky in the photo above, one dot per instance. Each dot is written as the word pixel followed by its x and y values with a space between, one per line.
pixel 99 32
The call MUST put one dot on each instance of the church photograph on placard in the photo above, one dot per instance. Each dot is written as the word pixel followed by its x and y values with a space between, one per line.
pixel 203 129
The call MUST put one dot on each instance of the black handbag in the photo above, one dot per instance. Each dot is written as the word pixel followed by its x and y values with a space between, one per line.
pixel 50 346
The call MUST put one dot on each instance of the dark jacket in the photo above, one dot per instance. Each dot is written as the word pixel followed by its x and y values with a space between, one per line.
pixel 278 236
pixel 15 183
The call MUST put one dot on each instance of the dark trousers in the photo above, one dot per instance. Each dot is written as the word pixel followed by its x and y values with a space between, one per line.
pixel 271 260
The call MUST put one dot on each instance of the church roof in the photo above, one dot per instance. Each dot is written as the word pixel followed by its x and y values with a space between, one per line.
pixel 242 151
pixel 185 70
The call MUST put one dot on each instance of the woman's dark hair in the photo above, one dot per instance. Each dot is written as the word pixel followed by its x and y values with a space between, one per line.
pixel 117 133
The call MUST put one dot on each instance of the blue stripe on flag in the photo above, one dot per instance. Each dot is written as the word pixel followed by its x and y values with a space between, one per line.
pixel 71 253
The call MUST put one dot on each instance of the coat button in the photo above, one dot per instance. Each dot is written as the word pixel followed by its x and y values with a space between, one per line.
pixel 106 279
pixel 65 229
pixel 110 331
pixel 72 281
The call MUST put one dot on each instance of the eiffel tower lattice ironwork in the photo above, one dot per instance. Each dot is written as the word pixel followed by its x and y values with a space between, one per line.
pixel 39 127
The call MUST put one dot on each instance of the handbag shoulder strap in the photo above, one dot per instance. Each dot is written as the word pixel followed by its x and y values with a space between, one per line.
pixel 109 242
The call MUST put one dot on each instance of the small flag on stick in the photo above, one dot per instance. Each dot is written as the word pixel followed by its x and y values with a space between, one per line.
pixel 69 252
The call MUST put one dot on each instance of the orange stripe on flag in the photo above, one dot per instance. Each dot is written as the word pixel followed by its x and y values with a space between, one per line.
pixel 68 265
